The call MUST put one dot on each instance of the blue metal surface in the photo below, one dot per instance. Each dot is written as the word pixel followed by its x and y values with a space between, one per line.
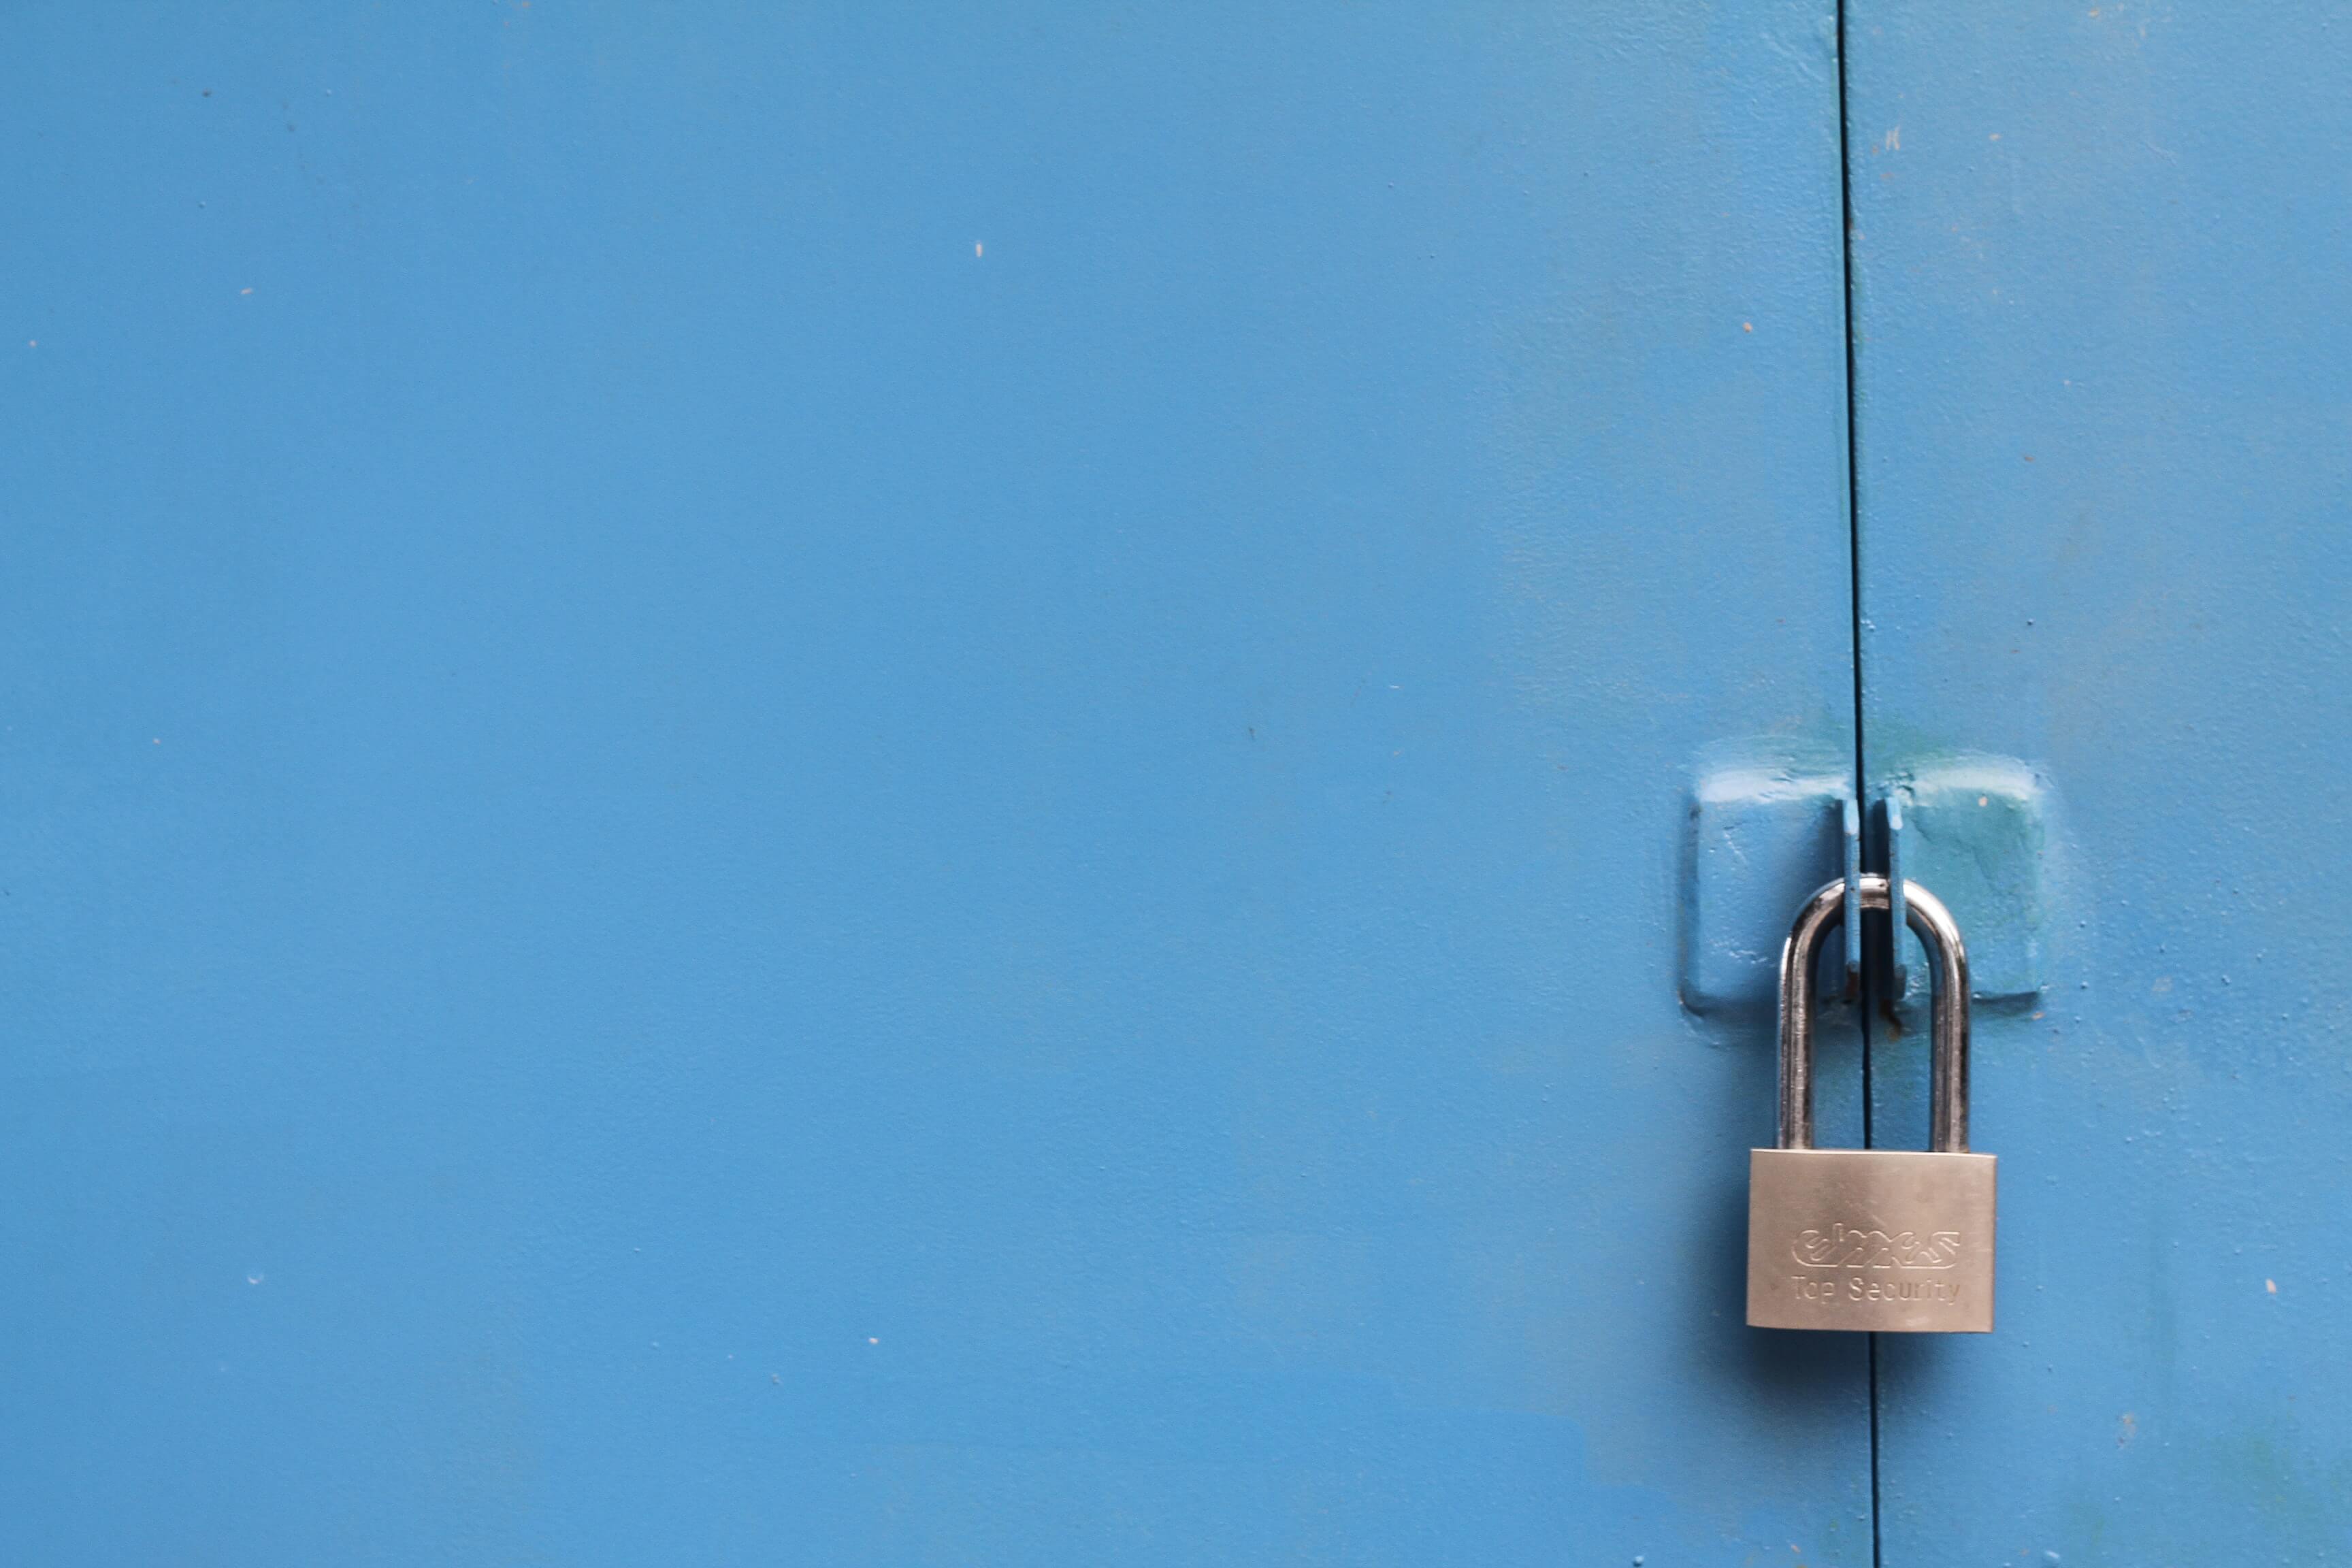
pixel 865 787
pixel 2106 487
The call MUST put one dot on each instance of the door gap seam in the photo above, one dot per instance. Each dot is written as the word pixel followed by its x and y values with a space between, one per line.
pixel 1853 603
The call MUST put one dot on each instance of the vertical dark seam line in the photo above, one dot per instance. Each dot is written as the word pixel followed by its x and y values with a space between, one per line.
pixel 1853 565
pixel 1854 522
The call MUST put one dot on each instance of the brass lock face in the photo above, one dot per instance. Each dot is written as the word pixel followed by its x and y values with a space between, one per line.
pixel 1887 1241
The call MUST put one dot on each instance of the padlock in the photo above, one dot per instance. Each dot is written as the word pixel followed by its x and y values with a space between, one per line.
pixel 1885 1241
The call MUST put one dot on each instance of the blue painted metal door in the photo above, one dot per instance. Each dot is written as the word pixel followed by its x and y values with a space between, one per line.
pixel 855 786
pixel 2103 349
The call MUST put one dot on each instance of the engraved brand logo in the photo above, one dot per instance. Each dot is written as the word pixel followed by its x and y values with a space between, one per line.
pixel 1853 1246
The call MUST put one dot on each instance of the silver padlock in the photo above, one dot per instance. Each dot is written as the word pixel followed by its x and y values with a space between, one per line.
pixel 1887 1240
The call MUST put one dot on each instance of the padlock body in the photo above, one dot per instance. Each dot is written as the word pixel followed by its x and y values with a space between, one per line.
pixel 1888 1241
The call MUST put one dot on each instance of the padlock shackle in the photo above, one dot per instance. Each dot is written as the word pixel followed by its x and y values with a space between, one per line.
pixel 1947 1100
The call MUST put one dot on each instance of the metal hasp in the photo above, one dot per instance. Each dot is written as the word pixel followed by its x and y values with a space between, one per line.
pixel 1883 1240
pixel 1759 823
